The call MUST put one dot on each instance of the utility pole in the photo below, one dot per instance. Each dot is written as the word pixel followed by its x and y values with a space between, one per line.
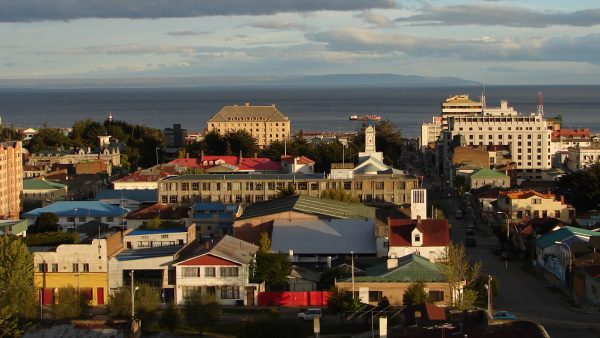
pixel 132 296
pixel 489 291
pixel 352 262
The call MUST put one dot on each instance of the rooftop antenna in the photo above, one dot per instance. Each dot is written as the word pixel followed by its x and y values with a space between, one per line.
pixel 540 104
pixel 483 104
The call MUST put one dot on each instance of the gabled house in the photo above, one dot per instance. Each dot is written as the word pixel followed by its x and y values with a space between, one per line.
pixel 483 177
pixel 72 213
pixel 163 212
pixel 219 269
pixel 132 199
pixel 428 238
pixel 524 205
pixel 393 278
pixel 214 218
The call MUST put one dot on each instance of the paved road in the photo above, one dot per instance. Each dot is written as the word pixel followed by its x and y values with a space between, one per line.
pixel 525 293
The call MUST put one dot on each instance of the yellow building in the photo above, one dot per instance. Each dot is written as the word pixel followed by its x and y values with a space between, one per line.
pixel 82 266
pixel 11 179
pixel 265 123
pixel 525 205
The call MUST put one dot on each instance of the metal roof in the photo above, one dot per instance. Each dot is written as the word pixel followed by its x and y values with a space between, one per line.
pixel 37 184
pixel 563 234
pixel 145 253
pixel 488 173
pixel 157 231
pixel 411 268
pixel 79 209
pixel 309 205
pixel 226 247
pixel 140 195
pixel 251 177
pixel 336 236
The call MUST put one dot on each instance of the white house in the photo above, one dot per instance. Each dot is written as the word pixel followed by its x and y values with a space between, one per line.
pixel 428 238
pixel 220 269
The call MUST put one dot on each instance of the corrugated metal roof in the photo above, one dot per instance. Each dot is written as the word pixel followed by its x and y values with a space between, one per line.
pixel 488 173
pixel 411 268
pixel 336 236
pixel 309 205
pixel 250 177
pixel 227 247
pixel 141 195
pixel 156 231
pixel 562 234
pixel 145 253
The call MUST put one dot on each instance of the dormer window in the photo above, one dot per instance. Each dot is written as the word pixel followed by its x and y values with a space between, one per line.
pixel 417 238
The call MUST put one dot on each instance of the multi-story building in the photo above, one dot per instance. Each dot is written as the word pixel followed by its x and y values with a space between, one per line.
pixel 265 123
pixel 11 179
pixel 83 266
pixel 528 138
pixel 580 158
pixel 430 132
pixel 152 238
pixel 43 192
pixel 525 205
pixel 249 188
pixel 460 105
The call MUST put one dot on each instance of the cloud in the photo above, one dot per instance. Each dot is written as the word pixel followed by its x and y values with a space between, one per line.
pixel 375 19
pixel 281 25
pixel 501 69
pixel 486 48
pixel 39 10
pixel 187 33
pixel 494 15
pixel 129 49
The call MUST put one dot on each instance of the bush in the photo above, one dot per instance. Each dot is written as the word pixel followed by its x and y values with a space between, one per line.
pixel 119 303
pixel 170 319
pixel 51 238
pixel 71 303
pixel 201 311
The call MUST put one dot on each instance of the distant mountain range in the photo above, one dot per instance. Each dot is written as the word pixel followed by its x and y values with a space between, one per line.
pixel 334 80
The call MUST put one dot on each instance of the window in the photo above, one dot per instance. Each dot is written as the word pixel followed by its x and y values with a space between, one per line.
pixel 436 296
pixel 228 271
pixel 163 199
pixel 164 236
pixel 173 199
pixel 82 219
pixel 110 219
pixel 187 291
pixel 196 186
pixel 191 272
pixel 230 292
pixel 417 238
pixel 209 272
pixel 557 214
pixel 271 185
pixel 185 186
pixel 86 267
pixel 42 267
pixel 75 267
pixel 375 296
pixel 55 267
pixel 536 201
pixel 70 219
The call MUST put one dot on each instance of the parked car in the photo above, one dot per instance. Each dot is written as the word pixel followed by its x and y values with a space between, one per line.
pixel 309 314
pixel 470 241
pixel 505 255
pixel 459 213
pixel 504 315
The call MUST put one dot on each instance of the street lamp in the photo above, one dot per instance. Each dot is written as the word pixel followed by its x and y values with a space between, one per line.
pixel 75 219
pixel 156 150
pixel 352 267
pixel 133 290
pixel 507 223
pixel 569 284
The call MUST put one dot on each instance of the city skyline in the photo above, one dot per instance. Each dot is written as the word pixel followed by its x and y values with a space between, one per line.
pixel 495 42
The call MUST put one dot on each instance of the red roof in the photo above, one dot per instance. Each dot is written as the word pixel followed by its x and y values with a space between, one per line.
pixel 246 164
pixel 436 232
pixel 299 159
pixel 162 211
pixel 149 175
pixel 570 133
pixel 208 260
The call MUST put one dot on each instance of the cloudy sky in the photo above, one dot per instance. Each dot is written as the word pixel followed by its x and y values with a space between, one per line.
pixel 495 42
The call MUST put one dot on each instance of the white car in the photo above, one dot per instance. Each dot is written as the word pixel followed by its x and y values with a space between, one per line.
pixel 309 314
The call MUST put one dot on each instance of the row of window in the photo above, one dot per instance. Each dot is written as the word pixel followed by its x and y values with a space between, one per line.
pixel 209 271
pixel 186 199
pixel 377 296
pixel 227 291
pixel 85 219
pixel 43 267
pixel 275 186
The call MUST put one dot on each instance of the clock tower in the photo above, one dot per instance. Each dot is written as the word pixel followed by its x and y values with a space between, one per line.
pixel 370 140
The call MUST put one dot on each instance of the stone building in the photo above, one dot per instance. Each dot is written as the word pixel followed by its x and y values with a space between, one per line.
pixel 265 123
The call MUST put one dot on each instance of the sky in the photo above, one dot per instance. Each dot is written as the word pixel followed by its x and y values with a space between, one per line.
pixel 493 42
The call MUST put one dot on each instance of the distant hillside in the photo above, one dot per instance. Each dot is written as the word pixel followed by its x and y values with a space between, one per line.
pixel 334 80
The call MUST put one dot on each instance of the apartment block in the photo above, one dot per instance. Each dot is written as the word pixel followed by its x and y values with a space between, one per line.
pixel 11 179
pixel 265 123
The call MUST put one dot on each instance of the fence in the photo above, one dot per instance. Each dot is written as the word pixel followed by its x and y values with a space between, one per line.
pixel 294 299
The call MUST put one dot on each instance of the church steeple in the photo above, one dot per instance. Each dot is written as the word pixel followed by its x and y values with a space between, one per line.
pixel 370 140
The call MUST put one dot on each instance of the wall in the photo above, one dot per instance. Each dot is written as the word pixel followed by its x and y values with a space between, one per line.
pixel 430 252
pixel 394 291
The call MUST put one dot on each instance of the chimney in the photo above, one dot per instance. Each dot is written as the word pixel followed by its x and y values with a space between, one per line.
pixel 418 220
pixel 255 155
pixel 329 262
pixel 562 199
pixel 247 104
pixel 240 159
pixel 207 245
pixel 187 155
pixel 291 255
pixel 392 263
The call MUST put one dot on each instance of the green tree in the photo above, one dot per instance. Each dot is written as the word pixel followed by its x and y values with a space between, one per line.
pixel 583 187
pixel 48 138
pixel 46 222
pixel 71 303
pixel 264 243
pixel 9 324
pixel 342 302
pixel 84 133
pixel 460 184
pixel 339 195
pixel 272 268
pixel 458 271
pixel 286 191
pixel 415 294
pixel 214 144
pixel 17 292
pixel 147 302
pixel 241 141
pixel 119 303
pixel 170 318
pixel 10 134
pixel 480 287
pixel 388 140
pixel 201 311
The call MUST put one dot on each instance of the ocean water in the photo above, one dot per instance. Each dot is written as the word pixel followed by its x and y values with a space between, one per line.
pixel 309 109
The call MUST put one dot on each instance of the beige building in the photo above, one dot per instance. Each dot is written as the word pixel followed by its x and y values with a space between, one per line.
pixel 11 179
pixel 525 205
pixel 265 123
pixel 460 105
pixel 579 158
pixel 251 188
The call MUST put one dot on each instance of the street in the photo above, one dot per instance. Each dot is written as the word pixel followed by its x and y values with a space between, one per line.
pixel 522 292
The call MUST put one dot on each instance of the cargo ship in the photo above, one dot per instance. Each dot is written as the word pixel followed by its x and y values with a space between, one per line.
pixel 365 118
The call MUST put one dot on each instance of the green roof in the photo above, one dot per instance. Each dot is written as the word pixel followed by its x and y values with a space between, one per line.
pixel 488 173
pixel 36 184
pixel 14 226
pixel 411 269
pixel 309 205
pixel 562 234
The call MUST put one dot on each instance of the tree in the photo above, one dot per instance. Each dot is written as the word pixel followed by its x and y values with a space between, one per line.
pixel 480 287
pixel 84 133
pixel 415 294
pixel 214 144
pixel 201 311
pixel 241 141
pixel 9 324
pixel 48 138
pixel 272 268
pixel 458 272
pixel 119 303
pixel 170 318
pixel 147 302
pixel 583 188
pixel 10 134
pixel 264 243
pixel 71 303
pixel 340 195
pixel 342 302
pixel 17 291
pixel 329 276
pixel 286 191
pixel 46 222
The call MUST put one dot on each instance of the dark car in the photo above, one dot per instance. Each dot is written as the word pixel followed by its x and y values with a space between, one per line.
pixel 470 241
pixel 505 256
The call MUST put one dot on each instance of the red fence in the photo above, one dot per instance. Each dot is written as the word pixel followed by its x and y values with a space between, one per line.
pixel 293 299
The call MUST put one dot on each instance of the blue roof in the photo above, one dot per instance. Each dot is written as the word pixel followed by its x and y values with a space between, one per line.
pixel 79 209
pixel 157 231
pixel 209 206
pixel 145 253
pixel 143 195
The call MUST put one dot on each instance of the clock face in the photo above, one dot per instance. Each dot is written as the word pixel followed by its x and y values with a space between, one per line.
pixel 370 139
